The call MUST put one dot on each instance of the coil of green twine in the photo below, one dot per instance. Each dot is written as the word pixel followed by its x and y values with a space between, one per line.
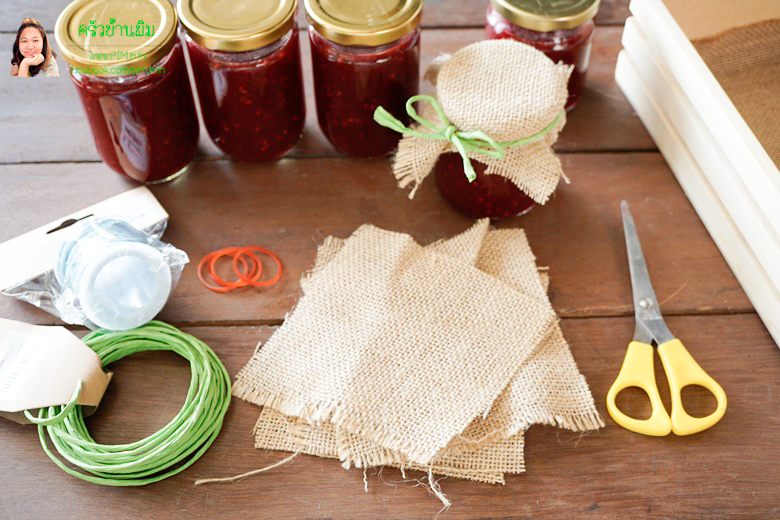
pixel 168 451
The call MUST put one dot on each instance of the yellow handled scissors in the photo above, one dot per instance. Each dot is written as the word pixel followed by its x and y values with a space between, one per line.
pixel 638 371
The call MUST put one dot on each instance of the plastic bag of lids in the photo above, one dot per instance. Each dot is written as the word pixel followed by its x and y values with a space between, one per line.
pixel 107 274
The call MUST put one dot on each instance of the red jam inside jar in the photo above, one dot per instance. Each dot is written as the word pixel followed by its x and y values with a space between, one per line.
pixel 351 81
pixel 252 102
pixel 491 196
pixel 145 125
pixel 572 46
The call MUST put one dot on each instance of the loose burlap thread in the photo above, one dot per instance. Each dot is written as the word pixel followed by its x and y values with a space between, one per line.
pixel 746 63
pixel 506 89
pixel 547 388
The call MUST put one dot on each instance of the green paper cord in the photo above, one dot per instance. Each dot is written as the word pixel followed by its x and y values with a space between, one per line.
pixel 63 413
pixel 165 453
pixel 464 142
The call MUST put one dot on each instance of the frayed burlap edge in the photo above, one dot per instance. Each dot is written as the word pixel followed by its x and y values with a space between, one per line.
pixel 275 431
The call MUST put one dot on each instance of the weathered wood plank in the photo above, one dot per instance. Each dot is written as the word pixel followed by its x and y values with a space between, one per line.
pixel 290 206
pixel 603 121
pixel 726 472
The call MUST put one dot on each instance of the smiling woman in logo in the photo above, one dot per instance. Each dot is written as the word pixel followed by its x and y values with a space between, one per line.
pixel 32 54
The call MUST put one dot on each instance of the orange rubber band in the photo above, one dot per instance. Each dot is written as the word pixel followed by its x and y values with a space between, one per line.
pixel 246 265
pixel 202 279
pixel 222 285
pixel 265 283
pixel 252 273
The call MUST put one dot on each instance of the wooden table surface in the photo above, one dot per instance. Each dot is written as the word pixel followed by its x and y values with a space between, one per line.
pixel 50 168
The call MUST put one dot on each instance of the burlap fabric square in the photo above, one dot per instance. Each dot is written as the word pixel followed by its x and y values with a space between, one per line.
pixel 547 388
pixel 276 431
pixel 399 344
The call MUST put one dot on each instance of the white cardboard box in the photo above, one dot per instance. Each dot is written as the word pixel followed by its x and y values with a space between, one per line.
pixel 722 167
pixel 669 26
pixel 759 225
pixel 743 262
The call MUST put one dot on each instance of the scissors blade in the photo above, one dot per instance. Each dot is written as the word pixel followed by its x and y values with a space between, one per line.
pixel 646 308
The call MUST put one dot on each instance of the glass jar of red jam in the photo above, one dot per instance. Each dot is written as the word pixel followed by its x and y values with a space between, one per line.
pixel 364 55
pixel 491 196
pixel 128 67
pixel 246 63
pixel 562 29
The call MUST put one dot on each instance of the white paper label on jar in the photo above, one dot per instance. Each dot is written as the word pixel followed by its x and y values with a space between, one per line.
pixel 134 144
pixel 220 85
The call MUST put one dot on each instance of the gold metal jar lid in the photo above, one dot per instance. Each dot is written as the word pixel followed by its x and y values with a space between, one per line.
pixel 237 25
pixel 116 37
pixel 547 15
pixel 361 22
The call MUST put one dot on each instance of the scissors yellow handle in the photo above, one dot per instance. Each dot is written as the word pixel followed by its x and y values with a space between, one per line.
pixel 681 370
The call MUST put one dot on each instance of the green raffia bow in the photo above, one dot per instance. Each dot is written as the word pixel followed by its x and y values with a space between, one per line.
pixel 464 142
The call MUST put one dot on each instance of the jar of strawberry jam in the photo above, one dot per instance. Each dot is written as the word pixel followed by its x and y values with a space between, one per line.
pixel 488 196
pixel 364 54
pixel 128 67
pixel 562 29
pixel 246 63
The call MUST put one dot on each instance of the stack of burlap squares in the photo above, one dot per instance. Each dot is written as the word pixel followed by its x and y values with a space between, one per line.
pixel 433 358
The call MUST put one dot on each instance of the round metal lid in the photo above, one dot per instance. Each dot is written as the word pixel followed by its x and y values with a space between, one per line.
pixel 237 25
pixel 358 22
pixel 547 15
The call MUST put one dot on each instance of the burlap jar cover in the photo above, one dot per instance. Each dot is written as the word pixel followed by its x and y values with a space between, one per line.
pixel 330 400
pixel 504 98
